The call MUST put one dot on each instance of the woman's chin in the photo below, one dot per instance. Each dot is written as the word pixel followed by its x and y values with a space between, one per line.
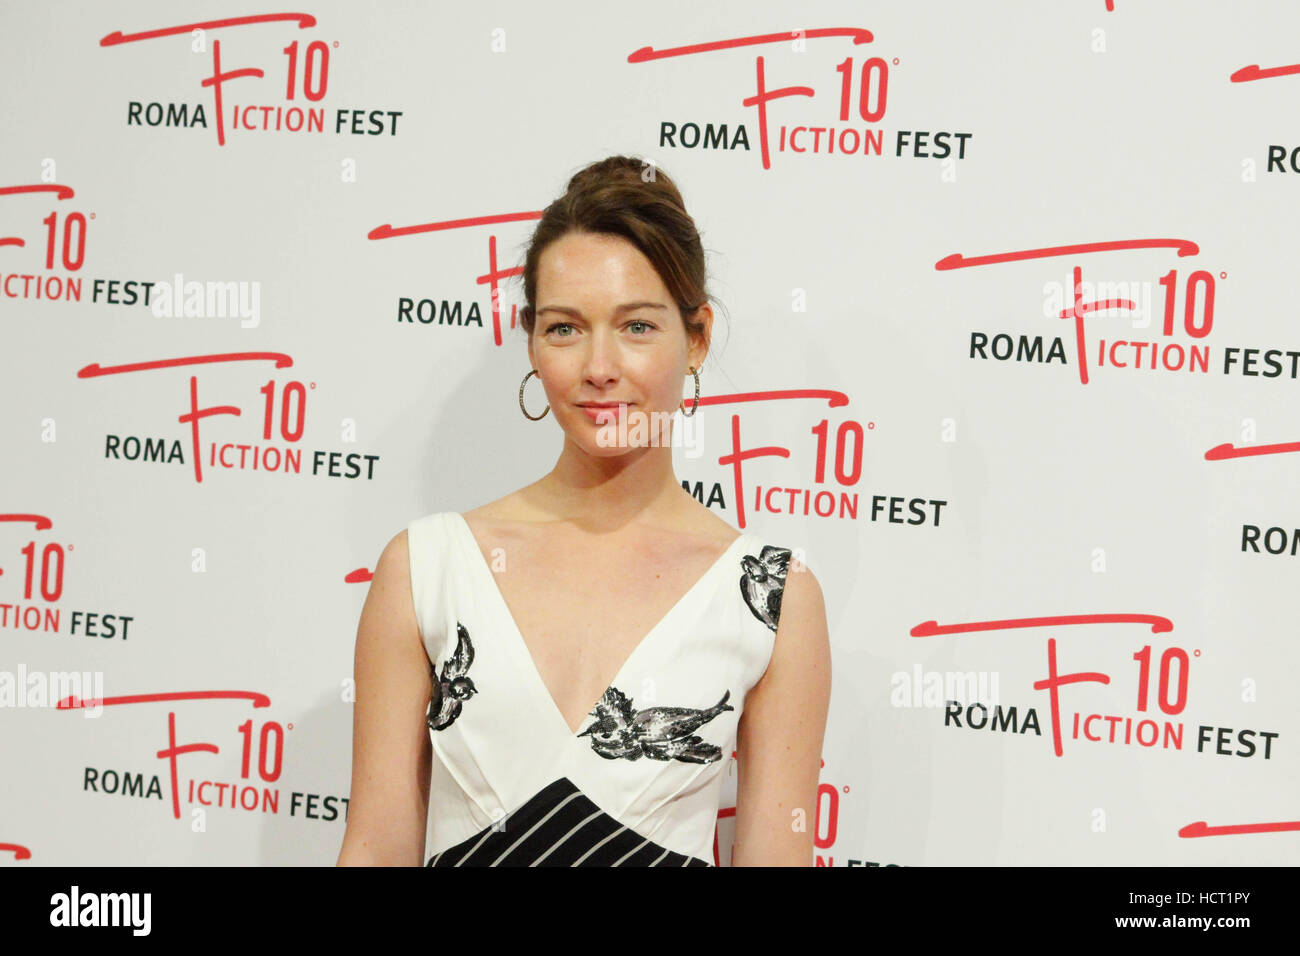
pixel 606 441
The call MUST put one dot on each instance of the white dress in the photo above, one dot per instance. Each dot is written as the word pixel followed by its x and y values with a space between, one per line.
pixel 639 784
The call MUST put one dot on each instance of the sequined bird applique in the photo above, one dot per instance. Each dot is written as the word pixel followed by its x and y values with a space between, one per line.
pixel 453 687
pixel 763 583
pixel 660 733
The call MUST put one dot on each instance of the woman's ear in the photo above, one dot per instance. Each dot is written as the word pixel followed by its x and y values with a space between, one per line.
pixel 699 342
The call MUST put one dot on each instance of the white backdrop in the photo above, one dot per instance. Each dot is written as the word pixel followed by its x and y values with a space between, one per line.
pixel 1092 520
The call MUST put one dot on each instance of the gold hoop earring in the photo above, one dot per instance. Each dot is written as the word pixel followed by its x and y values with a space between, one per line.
pixel 535 418
pixel 686 414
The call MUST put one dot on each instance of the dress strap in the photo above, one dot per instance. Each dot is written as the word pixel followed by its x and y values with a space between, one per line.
pixel 763 571
pixel 427 540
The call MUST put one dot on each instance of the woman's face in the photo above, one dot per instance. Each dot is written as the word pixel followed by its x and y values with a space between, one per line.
pixel 607 331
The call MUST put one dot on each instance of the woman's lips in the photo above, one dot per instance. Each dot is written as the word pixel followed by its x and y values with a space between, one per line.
pixel 601 414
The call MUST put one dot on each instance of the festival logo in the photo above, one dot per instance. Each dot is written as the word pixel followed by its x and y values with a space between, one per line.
pixel 237 97
pixel 1174 311
pixel 834 119
pixel 39 573
pixel 54 244
pixel 1279 158
pixel 231 731
pixel 279 418
pixel 1156 682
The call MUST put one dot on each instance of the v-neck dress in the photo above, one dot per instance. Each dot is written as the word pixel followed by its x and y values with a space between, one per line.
pixel 639 783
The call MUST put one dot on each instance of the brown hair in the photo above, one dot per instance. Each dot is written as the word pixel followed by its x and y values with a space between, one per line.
pixel 617 196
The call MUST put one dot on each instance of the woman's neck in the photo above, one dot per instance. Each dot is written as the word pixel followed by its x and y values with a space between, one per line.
pixel 605 494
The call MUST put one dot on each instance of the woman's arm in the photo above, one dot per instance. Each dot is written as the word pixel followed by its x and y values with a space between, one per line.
pixel 391 753
pixel 779 740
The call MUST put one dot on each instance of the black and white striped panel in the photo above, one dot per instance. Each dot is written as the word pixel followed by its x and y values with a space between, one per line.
pixel 560 826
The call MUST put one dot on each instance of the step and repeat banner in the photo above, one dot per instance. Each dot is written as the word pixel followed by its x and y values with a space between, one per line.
pixel 1004 347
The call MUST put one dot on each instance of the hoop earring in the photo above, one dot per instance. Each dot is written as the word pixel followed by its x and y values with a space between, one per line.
pixel 535 418
pixel 686 414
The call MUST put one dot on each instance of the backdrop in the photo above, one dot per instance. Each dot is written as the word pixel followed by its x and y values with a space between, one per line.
pixel 1003 349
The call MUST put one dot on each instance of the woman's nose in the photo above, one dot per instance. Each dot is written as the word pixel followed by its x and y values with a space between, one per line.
pixel 602 356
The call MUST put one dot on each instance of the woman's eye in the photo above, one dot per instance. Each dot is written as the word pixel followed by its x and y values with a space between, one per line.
pixel 642 328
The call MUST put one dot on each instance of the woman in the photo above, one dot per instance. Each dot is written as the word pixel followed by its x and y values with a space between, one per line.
pixel 570 666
